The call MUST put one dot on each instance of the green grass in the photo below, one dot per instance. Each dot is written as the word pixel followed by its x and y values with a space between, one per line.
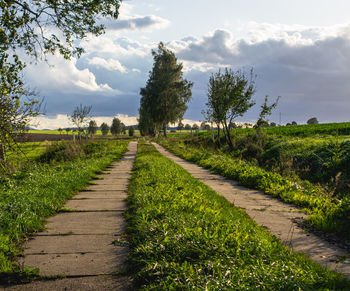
pixel 186 237
pixel 327 213
pixel 30 195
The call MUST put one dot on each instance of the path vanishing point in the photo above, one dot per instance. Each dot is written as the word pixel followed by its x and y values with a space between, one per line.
pixel 85 244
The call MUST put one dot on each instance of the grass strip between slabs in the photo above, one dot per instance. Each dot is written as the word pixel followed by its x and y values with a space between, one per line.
pixel 33 194
pixel 184 236
pixel 326 213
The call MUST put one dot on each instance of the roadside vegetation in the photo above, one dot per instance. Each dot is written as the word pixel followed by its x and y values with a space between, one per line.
pixel 311 172
pixel 39 188
pixel 187 237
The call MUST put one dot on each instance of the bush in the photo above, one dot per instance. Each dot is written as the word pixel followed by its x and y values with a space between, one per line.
pixel 131 131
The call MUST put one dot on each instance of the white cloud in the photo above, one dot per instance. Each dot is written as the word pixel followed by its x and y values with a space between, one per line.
pixel 64 76
pixel 128 20
pixel 61 120
pixel 110 64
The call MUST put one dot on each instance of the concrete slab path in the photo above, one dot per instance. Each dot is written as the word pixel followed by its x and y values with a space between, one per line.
pixel 267 211
pixel 85 244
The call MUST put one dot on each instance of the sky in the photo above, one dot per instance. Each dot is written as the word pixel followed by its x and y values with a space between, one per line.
pixel 299 50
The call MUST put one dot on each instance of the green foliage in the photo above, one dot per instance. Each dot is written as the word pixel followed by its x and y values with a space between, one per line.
pixel 104 128
pixel 131 131
pixel 184 236
pixel 327 213
pixel 166 93
pixel 117 126
pixel 92 128
pixel 30 195
pixel 229 96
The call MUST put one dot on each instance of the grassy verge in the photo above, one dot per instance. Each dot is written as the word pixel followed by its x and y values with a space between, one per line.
pixel 186 237
pixel 326 213
pixel 30 195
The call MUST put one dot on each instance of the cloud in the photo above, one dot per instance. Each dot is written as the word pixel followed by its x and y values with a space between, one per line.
pixel 308 67
pixel 64 76
pixel 148 22
pixel 62 120
pixel 110 64
pixel 128 20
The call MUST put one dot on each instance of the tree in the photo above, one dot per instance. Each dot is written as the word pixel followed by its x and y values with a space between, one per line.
pixel 80 117
pixel 180 126
pixel 166 93
pixel 264 112
pixel 104 128
pixel 92 128
pixel 195 126
pixel 116 127
pixel 294 123
pixel 207 127
pixel 60 130
pixel 187 127
pixel 312 120
pixel 131 131
pixel 123 128
pixel 229 97
pixel 14 116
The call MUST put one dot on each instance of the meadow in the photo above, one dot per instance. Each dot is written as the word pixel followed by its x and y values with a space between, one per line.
pixel 39 188
pixel 184 236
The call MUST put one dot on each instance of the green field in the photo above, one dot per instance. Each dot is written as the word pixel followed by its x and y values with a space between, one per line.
pixel 184 236
pixel 63 132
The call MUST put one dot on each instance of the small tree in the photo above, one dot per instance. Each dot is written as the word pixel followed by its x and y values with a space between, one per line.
pixel 294 123
pixel 187 127
pixel 207 127
pixel 312 120
pixel 131 131
pixel 60 130
pixel 123 128
pixel 265 111
pixel 104 128
pixel 67 130
pixel 229 97
pixel 180 126
pixel 80 117
pixel 116 127
pixel 92 128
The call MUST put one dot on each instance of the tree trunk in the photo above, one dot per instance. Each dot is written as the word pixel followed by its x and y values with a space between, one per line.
pixel 219 142
pixel 164 129
pixel 258 135
pixel 212 133
pixel 228 136
pixel 2 154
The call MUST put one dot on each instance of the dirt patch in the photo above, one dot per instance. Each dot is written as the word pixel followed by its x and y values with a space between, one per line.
pixel 34 137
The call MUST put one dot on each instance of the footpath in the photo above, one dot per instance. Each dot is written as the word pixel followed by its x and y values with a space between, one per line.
pixel 278 217
pixel 84 246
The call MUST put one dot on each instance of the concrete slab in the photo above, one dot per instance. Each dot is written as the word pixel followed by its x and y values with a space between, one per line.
pixel 85 223
pixel 101 195
pixel 78 264
pixel 68 244
pixel 94 283
pixel 97 204
pixel 123 186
